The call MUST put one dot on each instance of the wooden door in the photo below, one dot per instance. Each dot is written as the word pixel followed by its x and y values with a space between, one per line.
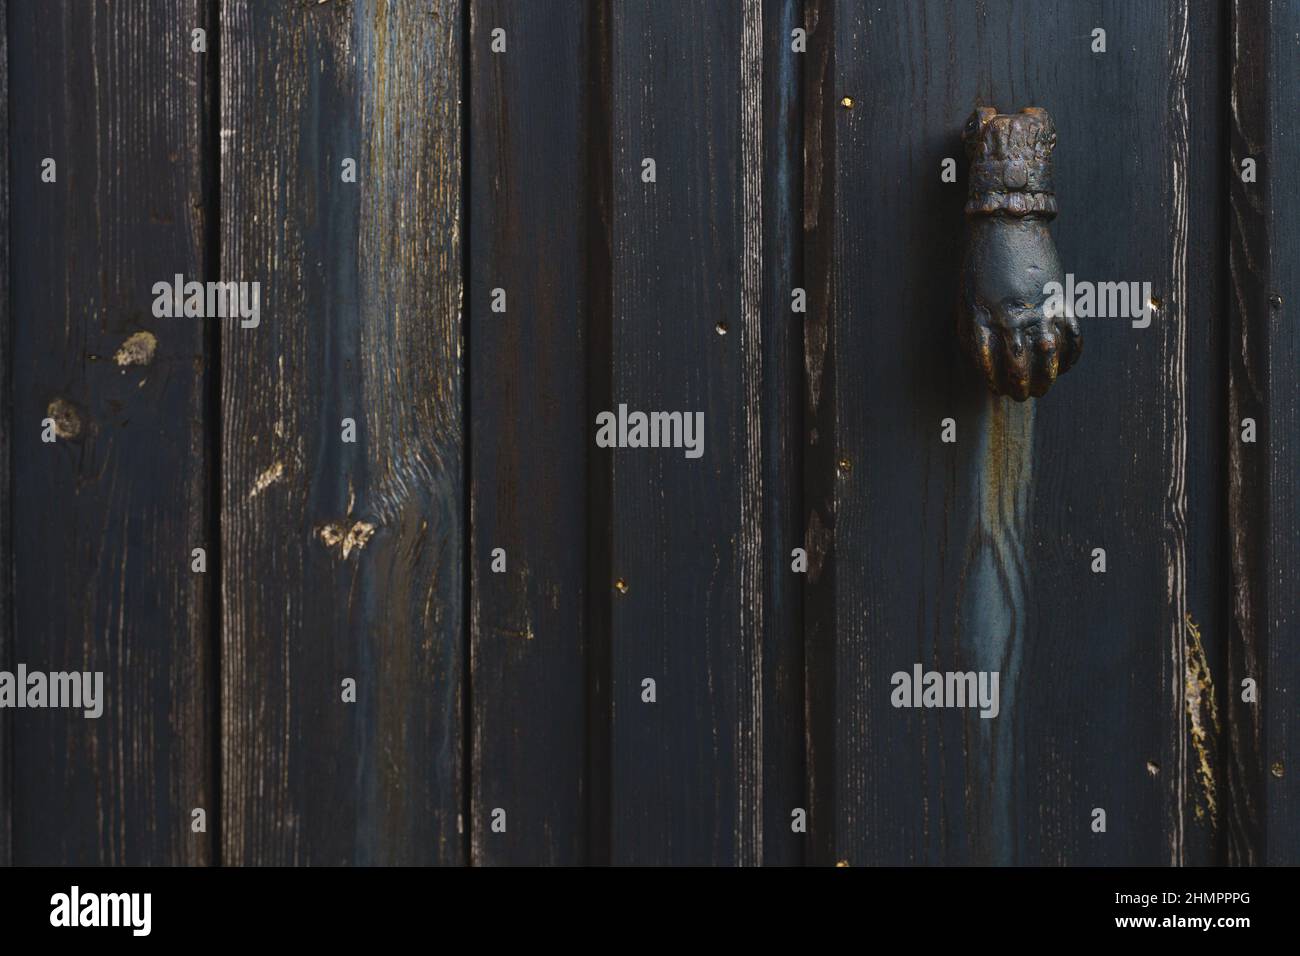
pixel 364 583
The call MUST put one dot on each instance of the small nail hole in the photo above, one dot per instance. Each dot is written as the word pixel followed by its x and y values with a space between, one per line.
pixel 721 328
pixel 620 586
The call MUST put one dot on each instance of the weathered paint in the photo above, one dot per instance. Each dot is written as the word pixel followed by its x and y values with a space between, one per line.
pixel 530 641
pixel 371 560
pixel 342 560
pixel 1256 233
pixel 104 518
pixel 1203 724
pixel 993 611
pixel 687 779
pixel 1112 443
pixel 6 476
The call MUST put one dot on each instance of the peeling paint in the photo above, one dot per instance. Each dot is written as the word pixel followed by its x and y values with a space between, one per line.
pixel 1203 717
pixel 136 350
pixel 346 536
pixel 67 420
pixel 266 479
pixel 993 602
pixel 357 537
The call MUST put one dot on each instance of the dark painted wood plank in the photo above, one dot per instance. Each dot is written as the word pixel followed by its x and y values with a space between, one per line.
pixel 599 241
pixel 530 107
pixel 820 467
pixel 687 779
pixel 1264 516
pixel 784 765
pixel 975 556
pixel 1247 473
pixel 343 560
pixel 6 430
pixel 1282 435
pixel 105 518
pixel 1197 90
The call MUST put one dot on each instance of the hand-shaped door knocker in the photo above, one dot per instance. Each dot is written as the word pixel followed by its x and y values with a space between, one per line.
pixel 1003 322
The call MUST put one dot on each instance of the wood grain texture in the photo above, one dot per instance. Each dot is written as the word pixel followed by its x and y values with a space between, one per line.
pixel 599 249
pixel 975 556
pixel 1175 312
pixel 6 477
pixel 820 468
pixel 1247 474
pixel 531 430
pixel 104 519
pixel 1200 88
pixel 343 560
pixel 784 768
pixel 687 779
pixel 1282 434
pixel 522 690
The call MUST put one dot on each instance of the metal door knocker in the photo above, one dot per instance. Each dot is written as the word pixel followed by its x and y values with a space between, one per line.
pixel 1020 345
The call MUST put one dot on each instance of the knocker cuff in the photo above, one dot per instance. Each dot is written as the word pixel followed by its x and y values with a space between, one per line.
pixel 1010 163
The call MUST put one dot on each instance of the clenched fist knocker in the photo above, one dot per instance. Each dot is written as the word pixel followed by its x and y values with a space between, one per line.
pixel 1019 343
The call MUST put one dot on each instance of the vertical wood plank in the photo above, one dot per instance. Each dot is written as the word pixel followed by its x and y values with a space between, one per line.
pixel 784 763
pixel 818 446
pixel 343 560
pixel 6 430
pixel 599 249
pixel 1282 434
pixel 976 556
pixel 105 518
pixel 1247 473
pixel 530 113
pixel 1208 541
pixel 688 548
pixel 1197 87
